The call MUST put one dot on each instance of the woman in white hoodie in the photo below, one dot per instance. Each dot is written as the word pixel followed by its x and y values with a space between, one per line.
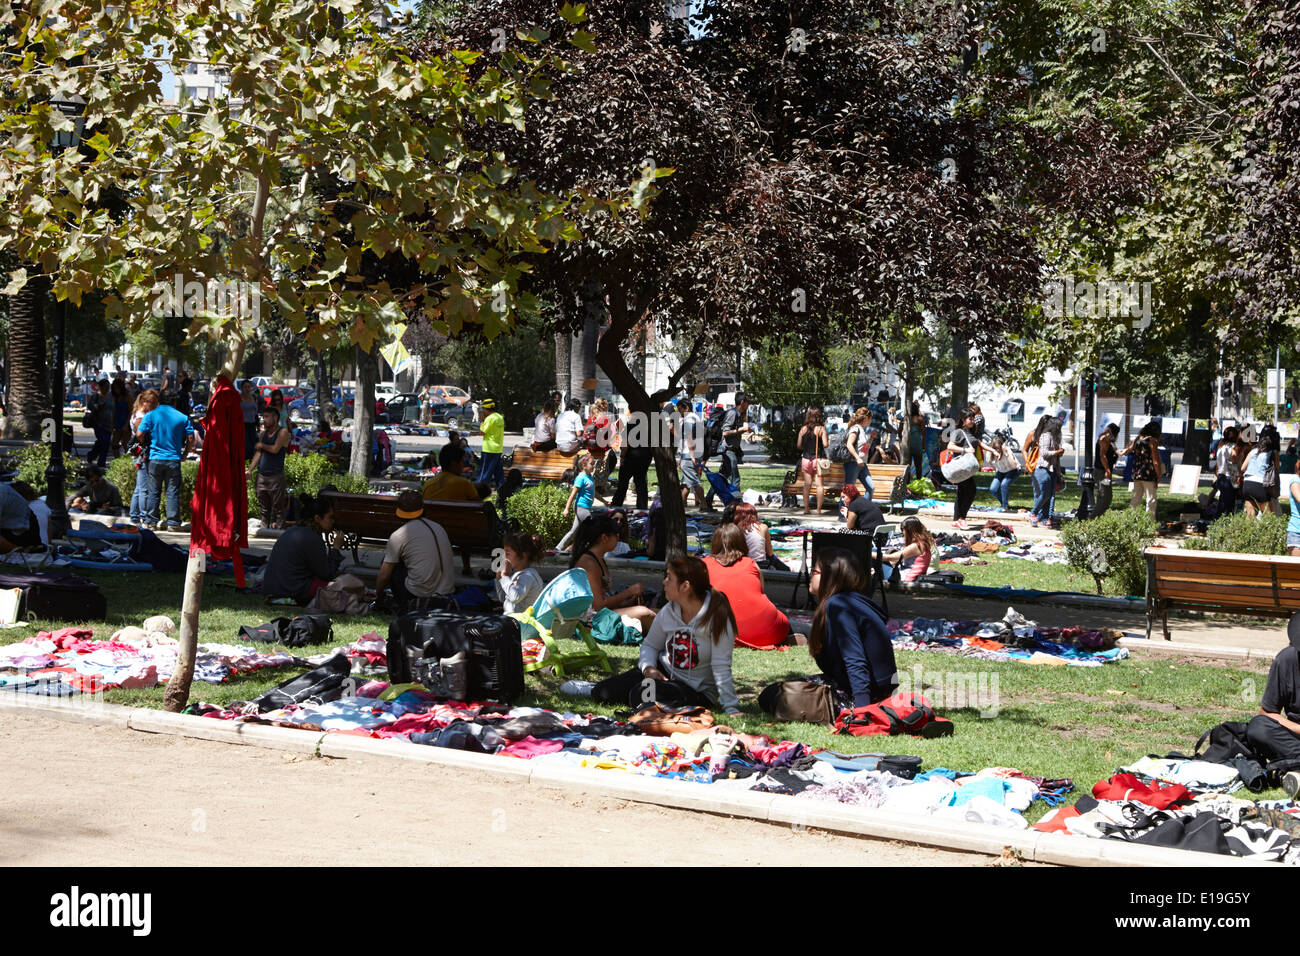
pixel 686 655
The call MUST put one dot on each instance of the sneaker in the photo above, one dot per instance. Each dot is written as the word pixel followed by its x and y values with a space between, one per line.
pixel 1291 784
pixel 1033 521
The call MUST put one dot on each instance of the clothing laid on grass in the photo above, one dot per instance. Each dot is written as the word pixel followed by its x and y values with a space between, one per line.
pixel 759 623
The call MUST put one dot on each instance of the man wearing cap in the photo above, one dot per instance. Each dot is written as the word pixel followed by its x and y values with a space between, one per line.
pixel 417 562
pixel 97 496
pixel 494 436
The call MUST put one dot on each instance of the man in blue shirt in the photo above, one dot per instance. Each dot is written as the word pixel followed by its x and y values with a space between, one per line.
pixel 171 438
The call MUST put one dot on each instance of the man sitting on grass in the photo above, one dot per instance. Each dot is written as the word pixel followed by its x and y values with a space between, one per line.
pixel 1274 733
pixel 417 561
pixel 97 496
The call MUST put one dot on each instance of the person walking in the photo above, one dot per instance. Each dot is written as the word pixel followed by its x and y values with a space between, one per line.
pixel 812 452
pixel 268 464
pixel 248 404
pixel 690 452
pixel 1260 474
pixel 171 438
pixel 857 443
pixel 634 468
pixel 426 405
pixel 494 435
pixel 1105 455
pixel 964 442
pixel 1006 469
pixel 735 424
pixel 1227 474
pixel 1047 473
pixel 121 440
pixel 581 498
pixel 1147 467
pixel 99 412
pixel 916 423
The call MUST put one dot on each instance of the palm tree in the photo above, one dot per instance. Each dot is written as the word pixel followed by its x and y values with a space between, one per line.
pixel 29 383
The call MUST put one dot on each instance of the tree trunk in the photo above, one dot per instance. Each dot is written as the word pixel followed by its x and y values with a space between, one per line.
pixel 322 392
pixel 960 376
pixel 29 381
pixel 563 347
pixel 610 356
pixel 582 357
pixel 1200 403
pixel 363 411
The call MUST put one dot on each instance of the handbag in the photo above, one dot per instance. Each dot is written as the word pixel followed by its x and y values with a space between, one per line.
pixel 961 467
pixel 803 700
pixel 823 464
pixel 660 721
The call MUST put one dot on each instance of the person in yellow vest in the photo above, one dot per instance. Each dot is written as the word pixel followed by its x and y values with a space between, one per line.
pixel 494 435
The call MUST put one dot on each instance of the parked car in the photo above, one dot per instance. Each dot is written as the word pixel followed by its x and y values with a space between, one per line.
pixel 448 394
pixel 403 408
pixel 452 413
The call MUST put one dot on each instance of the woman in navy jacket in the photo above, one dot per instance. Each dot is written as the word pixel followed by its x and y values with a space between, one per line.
pixel 849 640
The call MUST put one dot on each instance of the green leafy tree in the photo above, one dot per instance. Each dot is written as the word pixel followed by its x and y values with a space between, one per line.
pixel 422 221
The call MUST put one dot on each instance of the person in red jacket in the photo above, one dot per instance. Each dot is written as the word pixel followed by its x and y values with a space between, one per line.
pixel 759 623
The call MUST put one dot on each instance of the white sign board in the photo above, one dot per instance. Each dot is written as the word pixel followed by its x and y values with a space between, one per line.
pixel 1185 479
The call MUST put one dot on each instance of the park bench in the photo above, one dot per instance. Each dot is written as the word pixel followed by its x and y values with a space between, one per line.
pixel 1219 582
pixel 541 465
pixel 470 525
pixel 889 484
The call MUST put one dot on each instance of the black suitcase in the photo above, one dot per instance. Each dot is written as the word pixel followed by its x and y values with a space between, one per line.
pixel 57 596
pixel 491 642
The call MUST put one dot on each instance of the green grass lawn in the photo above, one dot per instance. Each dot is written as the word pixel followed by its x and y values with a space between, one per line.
pixel 1073 722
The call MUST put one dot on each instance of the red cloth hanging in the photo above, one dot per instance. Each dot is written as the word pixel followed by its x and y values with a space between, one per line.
pixel 220 523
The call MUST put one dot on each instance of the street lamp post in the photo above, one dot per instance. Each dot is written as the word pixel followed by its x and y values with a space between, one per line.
pixel 55 475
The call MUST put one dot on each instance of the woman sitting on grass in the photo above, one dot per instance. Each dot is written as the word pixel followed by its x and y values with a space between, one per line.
pixel 597 536
pixel 849 641
pixel 759 623
pixel 758 538
pixel 687 650
pixel 913 558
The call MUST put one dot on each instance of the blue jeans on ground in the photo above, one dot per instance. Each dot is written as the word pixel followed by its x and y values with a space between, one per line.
pixel 490 469
pixel 140 497
pixel 855 472
pixel 1000 487
pixel 1044 493
pixel 164 474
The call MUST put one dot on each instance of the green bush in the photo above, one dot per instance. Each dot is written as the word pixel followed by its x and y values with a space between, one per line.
pixel 1110 548
pixel 31 462
pixel 539 511
pixel 1240 533
pixel 779 439
pixel 307 475
pixel 122 473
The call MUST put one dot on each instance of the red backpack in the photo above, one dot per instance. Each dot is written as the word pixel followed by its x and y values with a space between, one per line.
pixel 900 714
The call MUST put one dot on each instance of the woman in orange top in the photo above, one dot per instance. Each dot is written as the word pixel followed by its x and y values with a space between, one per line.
pixel 759 624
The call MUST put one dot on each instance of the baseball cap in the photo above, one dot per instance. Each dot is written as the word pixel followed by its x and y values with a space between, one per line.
pixel 410 504
pixel 487 403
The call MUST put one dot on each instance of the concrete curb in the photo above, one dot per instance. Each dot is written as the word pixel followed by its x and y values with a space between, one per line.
pixel 771 808
pixel 1217 651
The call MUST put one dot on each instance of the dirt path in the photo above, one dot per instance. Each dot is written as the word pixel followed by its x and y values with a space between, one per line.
pixel 98 795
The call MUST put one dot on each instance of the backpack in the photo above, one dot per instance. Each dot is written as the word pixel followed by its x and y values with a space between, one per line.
pixel 713 432
pixel 838 449
pixel 1227 741
pixel 300 631
pixel 899 714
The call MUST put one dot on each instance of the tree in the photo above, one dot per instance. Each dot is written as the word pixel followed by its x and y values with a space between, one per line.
pixel 817 173
pixel 29 384
pixel 415 201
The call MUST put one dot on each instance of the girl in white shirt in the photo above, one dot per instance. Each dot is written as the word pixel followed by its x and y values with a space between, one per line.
pixel 544 427
pixel 518 584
